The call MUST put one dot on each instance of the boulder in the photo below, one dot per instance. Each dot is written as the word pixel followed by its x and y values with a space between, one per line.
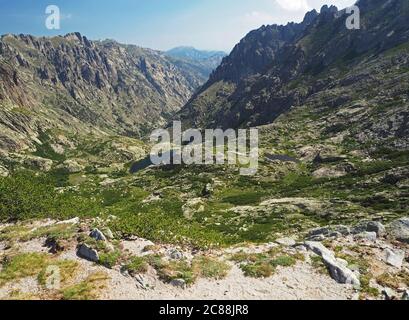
pixel 317 238
pixel 86 252
pixel 389 294
pixel 370 226
pixel 175 254
pixel 323 157
pixel 394 257
pixel 370 236
pixel 337 171
pixel 405 295
pixel 336 231
pixel 340 272
pixel 318 231
pixel 329 172
pixel 344 230
pixel 207 190
pixel 337 268
pixel 178 283
pixel 97 235
pixel 399 229
pixel 288 242
pixel 318 248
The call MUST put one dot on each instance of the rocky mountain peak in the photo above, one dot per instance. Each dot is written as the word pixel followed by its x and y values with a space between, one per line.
pixel 310 17
pixel 325 9
pixel 118 88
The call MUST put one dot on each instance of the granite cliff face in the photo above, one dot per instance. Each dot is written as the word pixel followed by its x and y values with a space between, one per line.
pixel 72 82
pixel 318 62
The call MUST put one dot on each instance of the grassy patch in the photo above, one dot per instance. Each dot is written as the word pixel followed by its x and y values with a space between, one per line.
pixel 209 267
pixel 109 259
pixel 261 269
pixel 366 288
pixel 67 269
pixel 22 232
pixel 21 266
pixel 137 265
pixel 242 197
pixel 177 270
pixel 394 281
pixel 284 261
pixel 89 289
pixel 263 265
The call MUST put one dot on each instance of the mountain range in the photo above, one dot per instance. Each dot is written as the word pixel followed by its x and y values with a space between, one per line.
pixel 318 61
pixel 70 82
pixel 195 62
pixel 329 198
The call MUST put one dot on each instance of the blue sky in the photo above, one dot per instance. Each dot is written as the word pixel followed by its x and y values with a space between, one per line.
pixel 158 24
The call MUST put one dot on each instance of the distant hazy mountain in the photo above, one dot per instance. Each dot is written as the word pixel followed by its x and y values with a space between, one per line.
pixel 196 64
pixel 194 54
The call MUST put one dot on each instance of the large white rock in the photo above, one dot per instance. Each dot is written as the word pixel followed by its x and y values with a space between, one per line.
pixel 337 268
pixel 370 236
pixel 394 258
pixel 288 242
pixel 71 221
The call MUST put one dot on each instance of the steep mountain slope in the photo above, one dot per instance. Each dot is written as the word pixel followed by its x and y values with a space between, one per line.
pixel 319 63
pixel 72 83
pixel 196 62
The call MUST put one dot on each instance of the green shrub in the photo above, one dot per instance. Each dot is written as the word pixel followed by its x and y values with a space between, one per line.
pixel 26 195
pixel 262 269
pixel 137 265
pixel 208 267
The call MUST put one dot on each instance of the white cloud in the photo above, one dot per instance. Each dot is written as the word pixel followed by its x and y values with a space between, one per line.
pixel 294 5
pixel 258 18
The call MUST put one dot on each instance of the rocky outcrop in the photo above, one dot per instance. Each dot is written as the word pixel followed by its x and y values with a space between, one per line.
pixel 337 267
pixel 86 252
pixel 394 258
pixel 399 229
pixel 97 235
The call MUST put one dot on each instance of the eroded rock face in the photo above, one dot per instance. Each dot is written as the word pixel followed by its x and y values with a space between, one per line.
pixel 136 88
pixel 259 80
pixel 72 166
pixel 38 163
